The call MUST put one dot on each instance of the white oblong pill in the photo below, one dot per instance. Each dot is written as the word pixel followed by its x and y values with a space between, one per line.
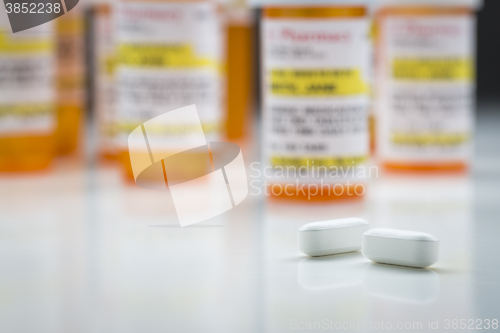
pixel 332 237
pixel 400 247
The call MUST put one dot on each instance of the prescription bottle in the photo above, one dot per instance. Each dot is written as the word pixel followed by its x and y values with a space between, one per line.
pixel 70 78
pixel 104 59
pixel 28 117
pixel 372 9
pixel 239 25
pixel 169 55
pixel 425 95
pixel 315 98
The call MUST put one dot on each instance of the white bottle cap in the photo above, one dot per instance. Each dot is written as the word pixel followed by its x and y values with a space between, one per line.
pixel 475 4
pixel 307 3
pixel 90 3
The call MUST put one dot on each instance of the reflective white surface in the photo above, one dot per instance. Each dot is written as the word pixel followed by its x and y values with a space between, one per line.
pixel 82 252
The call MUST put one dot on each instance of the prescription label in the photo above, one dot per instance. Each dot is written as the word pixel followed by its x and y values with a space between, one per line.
pixel 27 83
pixel 425 97
pixel 315 93
pixel 169 56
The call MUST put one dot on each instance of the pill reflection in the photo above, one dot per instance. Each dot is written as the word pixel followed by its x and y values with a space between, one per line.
pixel 400 283
pixel 331 272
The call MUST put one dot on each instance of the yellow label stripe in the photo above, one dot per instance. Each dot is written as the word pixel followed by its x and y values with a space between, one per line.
pixel 154 55
pixel 208 128
pixel 10 44
pixel 449 139
pixel 26 110
pixel 108 64
pixel 344 161
pixel 314 82
pixel 451 69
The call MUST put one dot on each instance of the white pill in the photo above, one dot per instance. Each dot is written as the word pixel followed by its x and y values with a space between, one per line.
pixel 400 247
pixel 332 237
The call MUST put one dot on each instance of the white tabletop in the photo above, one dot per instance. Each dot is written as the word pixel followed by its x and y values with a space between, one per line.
pixel 80 251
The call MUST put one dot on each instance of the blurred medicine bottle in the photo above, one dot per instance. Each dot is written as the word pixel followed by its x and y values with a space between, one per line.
pixel 28 117
pixel 239 24
pixel 315 97
pixel 372 7
pixel 104 60
pixel 70 41
pixel 425 84
pixel 169 55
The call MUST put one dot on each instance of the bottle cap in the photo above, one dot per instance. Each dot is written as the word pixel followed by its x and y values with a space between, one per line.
pixel 308 3
pixel 475 4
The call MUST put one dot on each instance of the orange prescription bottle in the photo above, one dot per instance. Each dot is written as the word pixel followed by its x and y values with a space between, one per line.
pixel 103 78
pixel 70 78
pixel 315 98
pixel 425 92
pixel 371 113
pixel 239 23
pixel 28 118
pixel 169 55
